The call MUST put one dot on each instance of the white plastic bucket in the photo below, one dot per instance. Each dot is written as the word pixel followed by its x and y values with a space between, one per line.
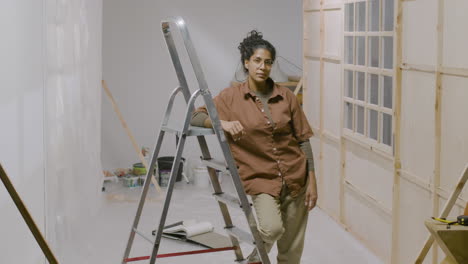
pixel 201 177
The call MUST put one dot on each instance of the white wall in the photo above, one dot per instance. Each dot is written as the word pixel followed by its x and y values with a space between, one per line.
pixel 50 76
pixel 21 118
pixel 73 112
pixel 139 72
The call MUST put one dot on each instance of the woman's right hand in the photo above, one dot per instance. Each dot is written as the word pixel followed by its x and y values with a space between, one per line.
pixel 234 128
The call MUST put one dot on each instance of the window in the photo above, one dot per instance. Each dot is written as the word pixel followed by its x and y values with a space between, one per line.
pixel 369 71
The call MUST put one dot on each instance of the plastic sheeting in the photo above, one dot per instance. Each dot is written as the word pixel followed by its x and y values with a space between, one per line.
pixel 72 123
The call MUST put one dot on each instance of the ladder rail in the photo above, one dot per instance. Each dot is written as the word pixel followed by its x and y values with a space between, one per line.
pixel 149 174
pixel 236 178
pixel 188 44
pixel 173 176
pixel 217 189
pixel 165 25
pixel 170 105
pixel 143 195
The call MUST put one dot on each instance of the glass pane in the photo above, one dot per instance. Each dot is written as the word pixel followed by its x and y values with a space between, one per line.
pixel 360 120
pixel 349 83
pixel 373 123
pixel 349 17
pixel 361 50
pixel 388 52
pixel 374 15
pixel 387 129
pixel 374 51
pixel 388 15
pixel 373 89
pixel 360 82
pixel 387 92
pixel 361 16
pixel 348 115
pixel 349 50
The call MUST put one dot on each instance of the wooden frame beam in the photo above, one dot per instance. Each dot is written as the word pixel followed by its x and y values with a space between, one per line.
pixel 451 71
pixel 322 75
pixel 27 217
pixel 395 251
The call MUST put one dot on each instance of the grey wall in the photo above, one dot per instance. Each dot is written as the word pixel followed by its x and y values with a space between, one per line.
pixel 138 69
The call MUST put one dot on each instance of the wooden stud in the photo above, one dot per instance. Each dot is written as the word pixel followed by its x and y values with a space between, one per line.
pixel 299 86
pixel 326 7
pixel 325 57
pixel 444 194
pixel 397 133
pixel 129 133
pixel 322 76
pixel 27 217
pixel 466 209
pixel 342 216
pixel 438 118
pixel 416 67
pixel 455 71
pixel 459 72
pixel 368 199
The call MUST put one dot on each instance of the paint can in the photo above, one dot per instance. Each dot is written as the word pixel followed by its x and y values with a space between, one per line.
pixel 164 177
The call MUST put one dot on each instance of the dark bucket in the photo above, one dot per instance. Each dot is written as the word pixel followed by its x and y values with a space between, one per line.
pixel 165 163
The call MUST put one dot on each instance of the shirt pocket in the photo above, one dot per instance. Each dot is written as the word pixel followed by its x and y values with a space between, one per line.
pixel 283 124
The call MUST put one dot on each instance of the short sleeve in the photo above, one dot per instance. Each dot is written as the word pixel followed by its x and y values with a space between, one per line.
pixel 302 129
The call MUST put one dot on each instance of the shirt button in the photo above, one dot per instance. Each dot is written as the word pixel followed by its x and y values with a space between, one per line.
pixel 278 161
pixel 263 110
pixel 274 149
pixel 268 122
pixel 279 173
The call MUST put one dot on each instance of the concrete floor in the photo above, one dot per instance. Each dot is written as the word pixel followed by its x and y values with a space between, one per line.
pixel 326 242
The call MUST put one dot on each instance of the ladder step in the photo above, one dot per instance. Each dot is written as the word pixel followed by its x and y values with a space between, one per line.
pixel 245 261
pixel 228 199
pixel 193 130
pixel 241 235
pixel 215 164
pixel 143 236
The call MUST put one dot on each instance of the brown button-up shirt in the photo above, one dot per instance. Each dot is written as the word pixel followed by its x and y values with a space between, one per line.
pixel 267 155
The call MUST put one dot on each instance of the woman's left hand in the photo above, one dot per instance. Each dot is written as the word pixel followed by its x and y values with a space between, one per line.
pixel 311 192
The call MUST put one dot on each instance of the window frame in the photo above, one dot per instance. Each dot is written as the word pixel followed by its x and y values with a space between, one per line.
pixel 352 134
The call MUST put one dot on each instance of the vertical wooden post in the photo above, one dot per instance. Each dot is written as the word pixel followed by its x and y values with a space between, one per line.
pixel 466 209
pixel 27 217
pixel 322 76
pixel 342 140
pixel 397 132
pixel 438 119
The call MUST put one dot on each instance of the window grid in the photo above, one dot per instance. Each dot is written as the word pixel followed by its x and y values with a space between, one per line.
pixel 363 118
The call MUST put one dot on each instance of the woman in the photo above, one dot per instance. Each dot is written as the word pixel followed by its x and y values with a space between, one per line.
pixel 268 134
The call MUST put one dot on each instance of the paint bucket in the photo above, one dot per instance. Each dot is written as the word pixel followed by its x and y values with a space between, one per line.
pixel 164 176
pixel 130 180
pixel 165 163
pixel 139 169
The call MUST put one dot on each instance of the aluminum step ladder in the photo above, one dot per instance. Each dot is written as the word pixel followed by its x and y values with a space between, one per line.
pixel 228 165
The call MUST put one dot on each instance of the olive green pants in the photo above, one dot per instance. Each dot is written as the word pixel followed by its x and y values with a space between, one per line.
pixel 283 220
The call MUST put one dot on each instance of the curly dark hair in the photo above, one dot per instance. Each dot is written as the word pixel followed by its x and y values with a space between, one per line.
pixel 252 42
